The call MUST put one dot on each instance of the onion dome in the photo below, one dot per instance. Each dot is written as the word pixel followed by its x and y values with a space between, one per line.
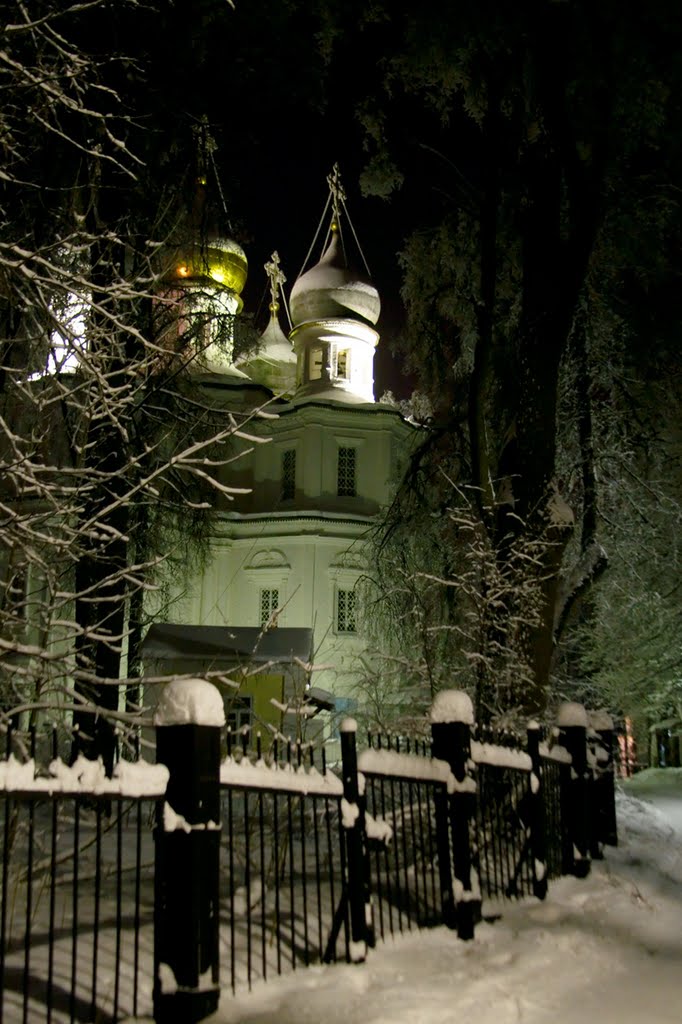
pixel 221 260
pixel 332 290
pixel 274 343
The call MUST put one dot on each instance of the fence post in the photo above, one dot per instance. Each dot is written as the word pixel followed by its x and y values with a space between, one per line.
pixel 187 842
pixel 538 823
pixel 575 791
pixel 452 716
pixel 605 830
pixel 353 821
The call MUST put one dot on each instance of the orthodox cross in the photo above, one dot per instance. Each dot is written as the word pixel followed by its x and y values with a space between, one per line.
pixel 276 278
pixel 337 193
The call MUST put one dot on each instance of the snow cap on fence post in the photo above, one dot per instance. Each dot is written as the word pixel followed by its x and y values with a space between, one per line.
pixel 190 702
pixel 452 715
pixel 452 706
pixel 188 723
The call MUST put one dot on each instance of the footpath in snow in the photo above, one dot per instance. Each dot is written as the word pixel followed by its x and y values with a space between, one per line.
pixel 606 949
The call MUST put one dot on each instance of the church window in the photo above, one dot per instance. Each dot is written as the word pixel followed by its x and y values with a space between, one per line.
pixel 345 473
pixel 289 474
pixel 343 364
pixel 239 713
pixel 345 611
pixel 315 364
pixel 269 603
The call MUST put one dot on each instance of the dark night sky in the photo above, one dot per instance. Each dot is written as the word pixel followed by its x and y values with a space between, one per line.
pixel 281 119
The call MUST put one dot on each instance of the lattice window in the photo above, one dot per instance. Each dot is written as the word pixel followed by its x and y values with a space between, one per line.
pixel 289 474
pixel 345 611
pixel 345 474
pixel 269 603
pixel 239 713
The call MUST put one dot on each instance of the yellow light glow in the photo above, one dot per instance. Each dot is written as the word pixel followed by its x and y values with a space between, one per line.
pixel 183 271
pixel 218 274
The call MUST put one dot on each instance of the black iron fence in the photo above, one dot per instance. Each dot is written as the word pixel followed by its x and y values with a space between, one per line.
pixel 77 891
pixel 282 863
pixel 131 896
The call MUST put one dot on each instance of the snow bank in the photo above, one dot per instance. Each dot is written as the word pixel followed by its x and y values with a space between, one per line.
pixel 190 702
pixel 452 706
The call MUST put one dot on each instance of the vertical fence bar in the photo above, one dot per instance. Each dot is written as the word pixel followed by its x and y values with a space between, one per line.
pixel 74 907
pixel 290 844
pixel 278 915
pixel 188 720
pixel 138 872
pixel 96 910
pixel 247 882
pixel 119 906
pixel 261 853
pixel 403 843
pixel 230 849
pixel 52 910
pixel 377 858
pixel 318 870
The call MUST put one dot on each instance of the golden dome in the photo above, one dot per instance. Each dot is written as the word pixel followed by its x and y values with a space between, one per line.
pixel 221 260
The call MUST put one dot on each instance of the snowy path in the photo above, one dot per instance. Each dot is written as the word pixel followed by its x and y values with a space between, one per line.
pixel 606 949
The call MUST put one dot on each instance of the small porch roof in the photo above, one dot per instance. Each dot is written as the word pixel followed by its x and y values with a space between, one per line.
pixel 228 644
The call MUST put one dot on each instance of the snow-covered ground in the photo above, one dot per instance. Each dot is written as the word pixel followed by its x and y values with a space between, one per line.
pixel 605 949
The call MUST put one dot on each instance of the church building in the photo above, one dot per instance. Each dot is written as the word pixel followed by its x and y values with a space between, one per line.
pixel 277 606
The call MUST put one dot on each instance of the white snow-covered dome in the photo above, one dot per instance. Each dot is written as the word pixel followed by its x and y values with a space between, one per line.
pixel 275 362
pixel 332 290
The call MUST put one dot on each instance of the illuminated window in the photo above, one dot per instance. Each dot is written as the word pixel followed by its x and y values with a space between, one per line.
pixel 269 603
pixel 289 474
pixel 345 473
pixel 239 713
pixel 315 364
pixel 345 611
pixel 343 364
